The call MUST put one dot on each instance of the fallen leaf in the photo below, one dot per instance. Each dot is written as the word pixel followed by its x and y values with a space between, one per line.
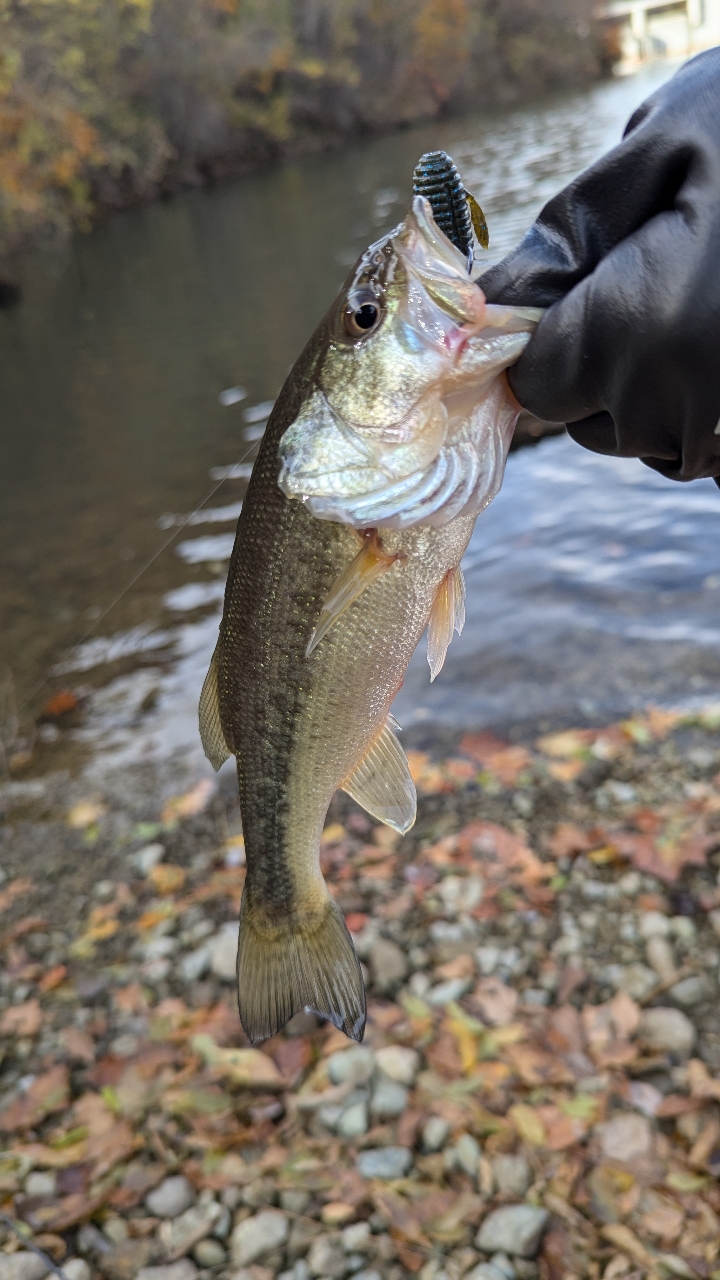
pixel 397 1211
pixel 85 813
pixel 49 1092
pixel 496 1001
pixel 53 978
pixel 248 1067
pixel 78 1044
pixel 665 1222
pixel 527 1123
pixel 21 1019
pixel 537 1067
pixel 701 1083
pixel 59 705
pixel 166 877
pixel 190 803
pixel 15 890
pixel 624 1238
pixel 569 742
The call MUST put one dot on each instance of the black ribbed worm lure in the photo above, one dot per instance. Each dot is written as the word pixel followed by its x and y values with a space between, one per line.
pixel 455 211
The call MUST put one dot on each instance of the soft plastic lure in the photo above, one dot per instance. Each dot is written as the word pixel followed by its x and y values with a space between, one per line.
pixel 455 210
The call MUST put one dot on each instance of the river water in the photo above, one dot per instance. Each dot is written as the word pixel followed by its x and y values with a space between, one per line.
pixel 593 584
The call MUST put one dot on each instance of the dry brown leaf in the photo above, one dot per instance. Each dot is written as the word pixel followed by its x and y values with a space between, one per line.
pixel 85 813
pixel 496 1001
pixel 404 1225
pixel 665 1222
pixel 190 803
pixel 167 877
pixel 53 978
pixel 537 1067
pixel 624 1238
pixel 701 1083
pixel 22 1019
pixel 528 1123
pixel 248 1067
pixel 78 1044
pixel 49 1092
pixel 14 890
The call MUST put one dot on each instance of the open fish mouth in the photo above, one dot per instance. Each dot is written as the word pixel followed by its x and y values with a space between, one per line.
pixel 410 422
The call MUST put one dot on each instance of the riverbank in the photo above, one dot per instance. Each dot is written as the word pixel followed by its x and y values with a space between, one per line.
pixel 104 104
pixel 536 1093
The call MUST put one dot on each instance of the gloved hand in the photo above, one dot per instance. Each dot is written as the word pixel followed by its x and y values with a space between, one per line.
pixel 627 258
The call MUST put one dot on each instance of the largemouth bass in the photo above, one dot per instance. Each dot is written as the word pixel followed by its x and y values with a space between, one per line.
pixel 387 438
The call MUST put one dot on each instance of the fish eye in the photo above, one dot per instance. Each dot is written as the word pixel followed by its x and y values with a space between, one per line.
pixel 362 315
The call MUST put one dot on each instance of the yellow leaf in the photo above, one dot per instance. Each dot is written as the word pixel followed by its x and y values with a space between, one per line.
pixel 528 1124
pixel 167 877
pixel 248 1067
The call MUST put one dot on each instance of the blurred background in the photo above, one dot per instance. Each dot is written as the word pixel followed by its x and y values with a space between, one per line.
pixel 183 187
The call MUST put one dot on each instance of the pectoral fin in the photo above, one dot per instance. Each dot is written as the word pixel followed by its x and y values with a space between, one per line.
pixel 211 734
pixel 447 615
pixel 382 783
pixel 369 564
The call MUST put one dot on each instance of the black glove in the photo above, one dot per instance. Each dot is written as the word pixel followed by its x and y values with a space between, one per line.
pixel 627 257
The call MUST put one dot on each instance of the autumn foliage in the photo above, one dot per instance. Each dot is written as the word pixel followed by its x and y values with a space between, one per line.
pixel 110 101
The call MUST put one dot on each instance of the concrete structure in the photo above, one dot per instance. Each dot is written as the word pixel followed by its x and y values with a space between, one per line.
pixel 639 30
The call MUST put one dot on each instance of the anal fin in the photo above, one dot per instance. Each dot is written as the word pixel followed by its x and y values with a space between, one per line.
pixel 381 783
pixel 211 734
pixel 447 615
pixel 368 565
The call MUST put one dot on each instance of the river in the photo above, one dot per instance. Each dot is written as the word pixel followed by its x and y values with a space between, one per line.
pixel 593 584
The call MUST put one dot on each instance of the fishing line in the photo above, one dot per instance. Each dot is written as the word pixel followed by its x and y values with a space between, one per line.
pixel 137 576
pixel 46 1259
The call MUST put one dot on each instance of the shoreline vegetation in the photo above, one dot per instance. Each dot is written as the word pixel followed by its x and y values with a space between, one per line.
pixel 109 103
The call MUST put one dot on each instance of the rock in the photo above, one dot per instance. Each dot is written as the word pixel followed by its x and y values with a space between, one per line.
pixel 295 1200
pixel 384 1162
pixel 257 1236
pixel 388 965
pixel 22 1266
pixel 467 1154
pixel 667 1029
pixel 502 1263
pixel 223 951
pixel 660 956
pixel 435 1134
pixel 351 1066
pixel 389 1099
pixel 488 959
pixel 512 1174
pixel 636 979
pixel 302 1234
pixel 209 1253
pixel 182 1270
pixel 126 1259
pixel 515 1229
pixel 147 858
pixel 368 1274
pixel 653 924
pixel 259 1193
pixel 76 1269
pixel 398 1063
pixel 40 1184
pixel 90 1240
pixel 625 1137
pixel 194 964
pixel 691 991
pixel 327 1257
pixel 354 1120
pixel 186 1230
pixel 486 1271
pixel 173 1196
pixel 356 1238
pixel 444 992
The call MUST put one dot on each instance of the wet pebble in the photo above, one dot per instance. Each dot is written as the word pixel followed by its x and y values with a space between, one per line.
pixel 182 1270
pixel 209 1253
pixel 691 991
pixel 435 1134
pixel 76 1269
pixel 223 952
pixel 148 857
pixel 22 1266
pixel 353 1122
pixel 194 964
pixel 326 1257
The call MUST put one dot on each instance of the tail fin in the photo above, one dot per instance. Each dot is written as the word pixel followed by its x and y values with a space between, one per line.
pixel 287 968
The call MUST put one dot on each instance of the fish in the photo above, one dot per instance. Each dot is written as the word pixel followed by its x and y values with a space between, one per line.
pixel 387 438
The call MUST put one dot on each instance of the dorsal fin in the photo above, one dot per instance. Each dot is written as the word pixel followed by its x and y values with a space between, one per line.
pixel 381 783
pixel 214 745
